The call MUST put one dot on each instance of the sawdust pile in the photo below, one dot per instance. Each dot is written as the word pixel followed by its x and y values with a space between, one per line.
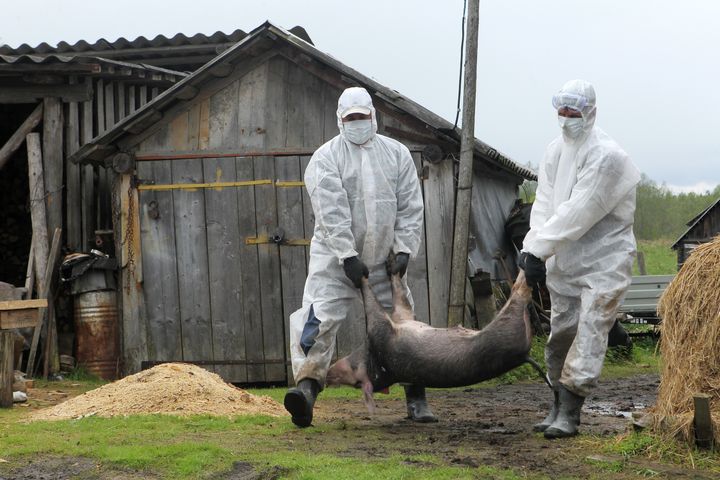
pixel 171 388
pixel 690 343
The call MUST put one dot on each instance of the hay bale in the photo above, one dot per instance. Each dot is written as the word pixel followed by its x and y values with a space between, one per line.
pixel 690 344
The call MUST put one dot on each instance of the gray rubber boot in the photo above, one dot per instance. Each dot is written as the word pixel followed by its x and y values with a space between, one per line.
pixel 568 419
pixel 551 416
pixel 417 407
pixel 299 401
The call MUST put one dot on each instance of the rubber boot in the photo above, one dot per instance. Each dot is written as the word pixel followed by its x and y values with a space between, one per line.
pixel 299 401
pixel 551 416
pixel 568 419
pixel 417 407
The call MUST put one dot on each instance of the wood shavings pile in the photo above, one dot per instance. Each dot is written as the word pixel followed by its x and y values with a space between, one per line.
pixel 171 389
pixel 690 343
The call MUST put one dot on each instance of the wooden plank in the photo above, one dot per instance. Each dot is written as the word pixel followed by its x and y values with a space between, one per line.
pixel 274 121
pixel 251 107
pixel 224 242
pixel 47 276
pixel 17 138
pixel 293 264
pixel 109 110
pixel 6 368
pixel 52 149
pixel 133 312
pixel 223 118
pixel 131 98
pixel 121 103
pixel 86 177
pixel 251 313
pixel 26 318
pixel 191 244
pixel 439 211
pixel 35 93
pixel 417 271
pixel 22 304
pixel 30 272
pixel 73 205
pixel 193 127
pixel 143 95
pixel 704 437
pixel 160 274
pixel 100 107
pixel 204 126
pixel 37 206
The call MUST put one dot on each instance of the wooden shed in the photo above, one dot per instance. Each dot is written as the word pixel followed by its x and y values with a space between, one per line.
pixel 701 229
pixel 215 223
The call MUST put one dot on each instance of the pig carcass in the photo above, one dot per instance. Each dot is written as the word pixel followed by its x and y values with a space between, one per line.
pixel 400 349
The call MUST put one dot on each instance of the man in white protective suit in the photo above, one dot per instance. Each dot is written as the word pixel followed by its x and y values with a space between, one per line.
pixel 581 229
pixel 367 202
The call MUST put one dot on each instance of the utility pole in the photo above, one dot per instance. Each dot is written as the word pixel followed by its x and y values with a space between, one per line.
pixel 456 307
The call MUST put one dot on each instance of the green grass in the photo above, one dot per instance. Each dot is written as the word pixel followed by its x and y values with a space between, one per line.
pixel 660 259
pixel 200 446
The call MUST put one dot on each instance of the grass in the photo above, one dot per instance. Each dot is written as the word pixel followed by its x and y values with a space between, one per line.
pixel 660 259
pixel 200 446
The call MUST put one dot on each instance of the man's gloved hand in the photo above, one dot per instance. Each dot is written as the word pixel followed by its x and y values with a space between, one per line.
pixel 401 263
pixel 534 268
pixel 355 270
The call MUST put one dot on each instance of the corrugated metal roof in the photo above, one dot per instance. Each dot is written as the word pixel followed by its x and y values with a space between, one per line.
pixel 20 64
pixel 102 145
pixel 122 43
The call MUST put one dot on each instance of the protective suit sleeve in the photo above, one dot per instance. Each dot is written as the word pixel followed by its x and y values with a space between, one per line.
pixel 542 204
pixel 330 205
pixel 604 181
pixel 409 218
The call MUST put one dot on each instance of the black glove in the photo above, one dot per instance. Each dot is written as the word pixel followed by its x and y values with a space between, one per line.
pixel 355 270
pixel 401 264
pixel 534 268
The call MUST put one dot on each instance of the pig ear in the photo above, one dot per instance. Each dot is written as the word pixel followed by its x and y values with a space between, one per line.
pixel 367 389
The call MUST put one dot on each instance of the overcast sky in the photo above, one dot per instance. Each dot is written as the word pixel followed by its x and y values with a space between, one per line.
pixel 654 63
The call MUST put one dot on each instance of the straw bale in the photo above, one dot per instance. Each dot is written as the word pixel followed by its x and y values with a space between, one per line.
pixel 690 344
pixel 171 389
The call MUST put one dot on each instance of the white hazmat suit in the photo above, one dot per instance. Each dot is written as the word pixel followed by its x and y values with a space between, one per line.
pixel 367 201
pixel 582 226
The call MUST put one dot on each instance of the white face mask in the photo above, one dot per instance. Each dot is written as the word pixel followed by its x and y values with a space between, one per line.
pixel 358 131
pixel 572 127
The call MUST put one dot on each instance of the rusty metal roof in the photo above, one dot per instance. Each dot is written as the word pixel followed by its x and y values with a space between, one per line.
pixel 265 37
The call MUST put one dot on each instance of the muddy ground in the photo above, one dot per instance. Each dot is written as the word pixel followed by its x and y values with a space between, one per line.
pixel 478 426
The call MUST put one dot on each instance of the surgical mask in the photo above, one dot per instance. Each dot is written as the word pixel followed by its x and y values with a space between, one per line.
pixel 572 127
pixel 358 131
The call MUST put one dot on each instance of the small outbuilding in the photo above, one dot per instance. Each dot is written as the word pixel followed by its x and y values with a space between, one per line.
pixel 701 229
pixel 211 222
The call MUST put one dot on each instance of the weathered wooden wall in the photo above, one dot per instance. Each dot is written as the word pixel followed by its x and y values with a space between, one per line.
pixel 704 231
pixel 213 293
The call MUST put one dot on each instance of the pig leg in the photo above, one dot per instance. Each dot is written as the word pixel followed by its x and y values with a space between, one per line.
pixel 402 310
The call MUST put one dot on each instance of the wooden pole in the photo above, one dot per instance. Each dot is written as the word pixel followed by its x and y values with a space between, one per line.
pixel 703 421
pixel 18 137
pixel 641 263
pixel 6 368
pixel 37 206
pixel 45 289
pixel 456 308
pixel 30 272
pixel 52 156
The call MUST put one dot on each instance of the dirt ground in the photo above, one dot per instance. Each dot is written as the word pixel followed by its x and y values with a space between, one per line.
pixel 478 426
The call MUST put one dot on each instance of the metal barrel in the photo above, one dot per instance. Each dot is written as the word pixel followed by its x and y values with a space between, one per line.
pixel 96 330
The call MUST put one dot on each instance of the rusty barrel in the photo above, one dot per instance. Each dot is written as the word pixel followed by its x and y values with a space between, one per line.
pixel 96 330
